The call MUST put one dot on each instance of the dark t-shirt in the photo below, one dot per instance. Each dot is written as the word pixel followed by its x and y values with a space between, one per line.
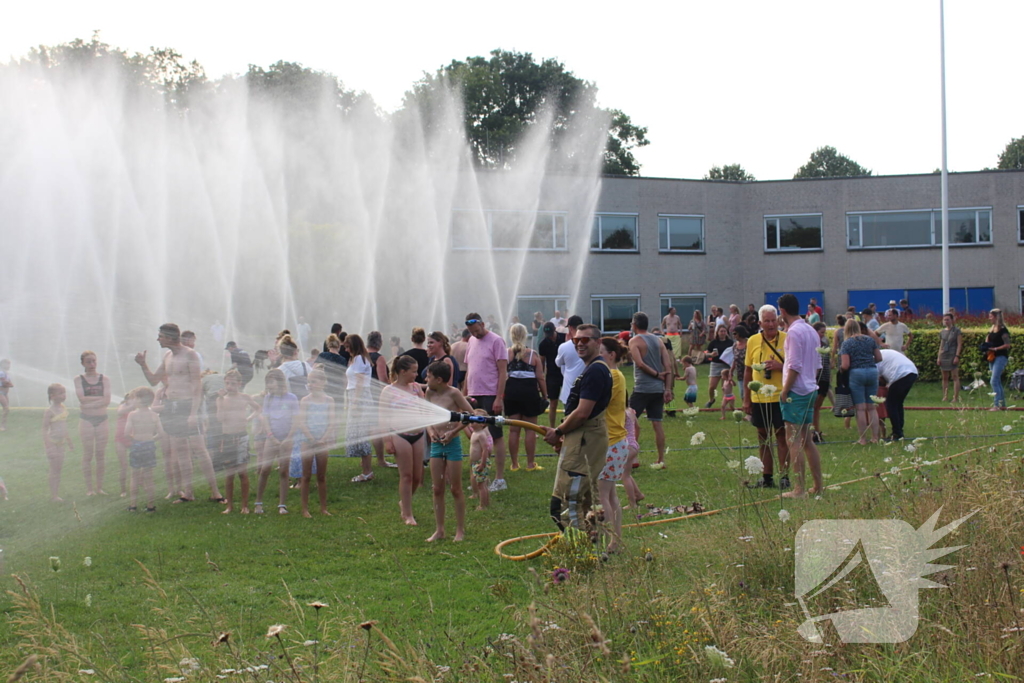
pixel 549 350
pixel 719 345
pixel 999 338
pixel 242 362
pixel 421 358
pixel 593 384
pixel 334 366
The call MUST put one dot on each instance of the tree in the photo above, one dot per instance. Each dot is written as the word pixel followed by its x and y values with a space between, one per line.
pixel 733 172
pixel 826 162
pixel 300 88
pixel 505 94
pixel 1013 156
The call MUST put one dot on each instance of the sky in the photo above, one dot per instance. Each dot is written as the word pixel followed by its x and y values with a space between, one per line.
pixel 750 82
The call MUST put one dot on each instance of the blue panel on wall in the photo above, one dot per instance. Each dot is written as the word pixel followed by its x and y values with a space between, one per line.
pixel 979 300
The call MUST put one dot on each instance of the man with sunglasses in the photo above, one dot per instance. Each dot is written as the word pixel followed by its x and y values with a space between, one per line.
pixel 486 373
pixel 582 438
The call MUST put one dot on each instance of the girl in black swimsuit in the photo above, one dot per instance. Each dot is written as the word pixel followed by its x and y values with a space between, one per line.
pixel 410 447
pixel 93 392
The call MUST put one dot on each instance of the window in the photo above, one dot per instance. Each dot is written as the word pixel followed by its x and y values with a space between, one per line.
pixel 614 232
pixel 685 305
pixel 789 233
pixel 526 306
pixel 1020 223
pixel 681 234
pixel 917 228
pixel 509 230
pixel 614 313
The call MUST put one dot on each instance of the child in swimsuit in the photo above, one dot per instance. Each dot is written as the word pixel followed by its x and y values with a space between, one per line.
pixel 279 410
pixel 55 435
pixel 398 404
pixel 234 410
pixel 480 445
pixel 317 427
pixel 121 442
pixel 446 448
pixel 728 394
pixel 143 428
pixel 632 459
pixel 690 377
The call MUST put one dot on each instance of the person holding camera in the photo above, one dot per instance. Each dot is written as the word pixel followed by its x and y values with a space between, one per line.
pixel 763 365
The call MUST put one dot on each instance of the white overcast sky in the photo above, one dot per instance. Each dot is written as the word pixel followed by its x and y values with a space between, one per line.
pixel 758 83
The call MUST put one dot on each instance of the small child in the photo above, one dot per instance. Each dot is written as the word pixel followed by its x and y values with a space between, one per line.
pixel 143 429
pixel 121 442
pixel 5 386
pixel 480 444
pixel 234 409
pixel 690 377
pixel 446 449
pixel 55 436
pixel 3 489
pixel 171 468
pixel 883 414
pixel 728 393
pixel 317 427
pixel 633 459
pixel 280 407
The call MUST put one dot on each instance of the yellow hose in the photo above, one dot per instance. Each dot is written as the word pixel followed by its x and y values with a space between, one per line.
pixel 555 535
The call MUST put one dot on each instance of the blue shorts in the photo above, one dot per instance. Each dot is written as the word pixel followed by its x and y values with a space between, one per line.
pixel 691 394
pixel 863 384
pixel 799 409
pixel 452 452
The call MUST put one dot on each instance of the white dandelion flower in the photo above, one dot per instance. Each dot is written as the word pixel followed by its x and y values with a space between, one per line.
pixel 783 516
pixel 718 657
pixel 697 439
pixel 1007 428
pixel 754 465
pixel 88 561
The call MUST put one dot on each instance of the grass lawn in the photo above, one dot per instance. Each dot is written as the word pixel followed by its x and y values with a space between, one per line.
pixel 193 572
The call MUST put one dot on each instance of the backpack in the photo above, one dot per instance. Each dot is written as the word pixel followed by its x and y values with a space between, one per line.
pixel 1016 382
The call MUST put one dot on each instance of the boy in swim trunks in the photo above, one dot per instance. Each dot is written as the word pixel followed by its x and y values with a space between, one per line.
pixel 480 444
pixel 690 377
pixel 446 449
pixel 143 428
pixel 234 410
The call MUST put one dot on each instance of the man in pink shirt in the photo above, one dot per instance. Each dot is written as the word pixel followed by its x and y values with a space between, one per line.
pixel 486 372
pixel 799 390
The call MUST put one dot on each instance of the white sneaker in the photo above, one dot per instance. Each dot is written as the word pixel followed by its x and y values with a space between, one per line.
pixel 497 485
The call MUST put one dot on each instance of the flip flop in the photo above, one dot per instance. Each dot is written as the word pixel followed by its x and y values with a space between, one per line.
pixel 222 500
pixel 182 499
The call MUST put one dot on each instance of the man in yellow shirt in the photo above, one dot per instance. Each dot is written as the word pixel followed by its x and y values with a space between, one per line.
pixel 764 365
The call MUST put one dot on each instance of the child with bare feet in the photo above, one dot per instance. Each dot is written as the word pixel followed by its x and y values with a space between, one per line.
pixel 55 435
pixel 690 377
pixel 408 446
pixel 480 444
pixel 234 409
pixel 318 425
pixel 280 408
pixel 633 453
pixel 143 429
pixel 728 393
pixel 5 386
pixel 446 449
pixel 121 442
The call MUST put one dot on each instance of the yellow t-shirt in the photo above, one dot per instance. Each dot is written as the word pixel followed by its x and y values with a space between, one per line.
pixel 615 413
pixel 758 352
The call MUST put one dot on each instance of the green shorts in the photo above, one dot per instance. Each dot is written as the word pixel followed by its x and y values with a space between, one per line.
pixel 452 451
pixel 799 409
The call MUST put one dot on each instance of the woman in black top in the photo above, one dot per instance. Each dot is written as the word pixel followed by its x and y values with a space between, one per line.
pixel 439 349
pixel 334 365
pixel 417 352
pixel 716 348
pixel 998 355
pixel 548 349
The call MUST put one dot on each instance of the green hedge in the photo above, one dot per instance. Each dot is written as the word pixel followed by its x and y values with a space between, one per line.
pixel 924 349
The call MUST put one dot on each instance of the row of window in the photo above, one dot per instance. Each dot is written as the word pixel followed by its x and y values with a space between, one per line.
pixel 684 233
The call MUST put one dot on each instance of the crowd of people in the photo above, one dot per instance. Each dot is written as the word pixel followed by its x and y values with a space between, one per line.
pixel 776 363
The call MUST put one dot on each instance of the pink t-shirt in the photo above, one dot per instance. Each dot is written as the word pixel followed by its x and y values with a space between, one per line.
pixel 801 350
pixel 482 358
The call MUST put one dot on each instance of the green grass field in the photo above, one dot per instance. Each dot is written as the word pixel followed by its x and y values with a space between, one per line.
pixel 162 586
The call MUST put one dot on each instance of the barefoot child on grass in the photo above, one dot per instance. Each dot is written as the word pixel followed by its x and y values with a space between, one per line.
pixel 55 435
pixel 690 377
pixel 234 410
pixel 143 428
pixel 121 442
pixel 633 492
pixel 318 426
pixel 480 444
pixel 728 393
pixel 446 449
pixel 280 408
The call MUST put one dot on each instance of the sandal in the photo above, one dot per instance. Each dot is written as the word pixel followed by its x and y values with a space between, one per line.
pixel 259 509
pixel 535 468
pixel 222 500
pixel 182 499
pixel 132 508
pixel 151 508
pixel 390 464
pixel 282 509
pixel 359 478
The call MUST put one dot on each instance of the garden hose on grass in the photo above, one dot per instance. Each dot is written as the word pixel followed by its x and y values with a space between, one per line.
pixel 555 535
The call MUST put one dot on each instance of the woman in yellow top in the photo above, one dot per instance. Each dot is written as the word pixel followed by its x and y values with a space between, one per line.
pixel 613 352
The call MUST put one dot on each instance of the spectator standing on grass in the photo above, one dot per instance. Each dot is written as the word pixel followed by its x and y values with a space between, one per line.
pixel 900 373
pixel 764 350
pixel 567 360
pixel 896 334
pixel 858 356
pixel 548 349
pixel 951 344
pixel 867 316
pixel 486 375
pixel 653 378
pixel 672 325
pixel 716 348
pixel 698 334
pixel 799 391
pixel 998 355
